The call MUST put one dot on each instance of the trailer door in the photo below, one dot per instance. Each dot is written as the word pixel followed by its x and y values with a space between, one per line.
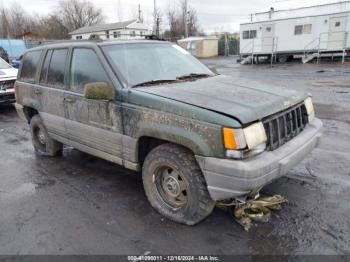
pixel 267 41
pixel 337 32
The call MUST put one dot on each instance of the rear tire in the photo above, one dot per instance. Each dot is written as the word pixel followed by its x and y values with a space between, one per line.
pixel 175 186
pixel 42 142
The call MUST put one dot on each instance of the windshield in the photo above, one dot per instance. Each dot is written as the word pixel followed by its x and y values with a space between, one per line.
pixel 4 65
pixel 144 62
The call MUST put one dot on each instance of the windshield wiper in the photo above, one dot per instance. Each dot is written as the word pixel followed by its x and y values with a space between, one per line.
pixel 155 82
pixel 192 75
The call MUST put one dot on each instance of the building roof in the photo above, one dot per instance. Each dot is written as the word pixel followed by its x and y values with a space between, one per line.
pixel 104 27
pixel 300 12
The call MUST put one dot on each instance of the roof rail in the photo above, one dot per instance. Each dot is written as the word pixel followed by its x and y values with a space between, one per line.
pixel 52 42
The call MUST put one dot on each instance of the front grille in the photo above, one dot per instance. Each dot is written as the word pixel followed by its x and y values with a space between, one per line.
pixel 282 127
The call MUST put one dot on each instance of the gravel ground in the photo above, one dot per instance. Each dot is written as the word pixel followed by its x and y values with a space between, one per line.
pixel 78 204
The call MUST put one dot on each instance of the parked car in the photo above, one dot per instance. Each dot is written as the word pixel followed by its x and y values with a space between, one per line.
pixel 16 63
pixel 150 106
pixel 8 76
pixel 4 55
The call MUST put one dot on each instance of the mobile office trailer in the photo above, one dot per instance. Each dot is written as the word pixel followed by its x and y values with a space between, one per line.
pixel 310 32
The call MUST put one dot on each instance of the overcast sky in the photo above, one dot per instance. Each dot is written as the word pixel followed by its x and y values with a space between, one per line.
pixel 214 15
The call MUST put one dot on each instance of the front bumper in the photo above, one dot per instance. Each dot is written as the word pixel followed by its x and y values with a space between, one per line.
pixel 7 96
pixel 232 178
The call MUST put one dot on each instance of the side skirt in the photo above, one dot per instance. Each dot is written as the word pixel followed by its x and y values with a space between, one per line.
pixel 97 153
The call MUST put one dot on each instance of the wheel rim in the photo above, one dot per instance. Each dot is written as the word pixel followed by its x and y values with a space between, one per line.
pixel 41 136
pixel 172 187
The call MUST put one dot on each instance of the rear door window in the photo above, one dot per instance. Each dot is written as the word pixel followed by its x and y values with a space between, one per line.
pixel 30 66
pixel 56 72
pixel 43 74
pixel 85 68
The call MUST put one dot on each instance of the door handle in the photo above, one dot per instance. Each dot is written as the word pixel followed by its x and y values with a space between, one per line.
pixel 37 91
pixel 69 99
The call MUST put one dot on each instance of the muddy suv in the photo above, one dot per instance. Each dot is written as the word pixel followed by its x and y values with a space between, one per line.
pixel 150 106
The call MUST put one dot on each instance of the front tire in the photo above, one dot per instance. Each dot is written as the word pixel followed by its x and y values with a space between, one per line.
pixel 42 142
pixel 175 186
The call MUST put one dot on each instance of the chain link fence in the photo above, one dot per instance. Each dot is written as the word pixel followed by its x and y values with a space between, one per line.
pixel 228 45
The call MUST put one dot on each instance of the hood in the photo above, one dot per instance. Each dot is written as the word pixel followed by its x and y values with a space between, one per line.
pixel 244 100
pixel 8 73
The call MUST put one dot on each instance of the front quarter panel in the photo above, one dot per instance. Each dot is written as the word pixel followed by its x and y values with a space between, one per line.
pixel 152 116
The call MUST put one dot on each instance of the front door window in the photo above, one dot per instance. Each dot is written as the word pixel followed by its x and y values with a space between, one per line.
pixel 85 68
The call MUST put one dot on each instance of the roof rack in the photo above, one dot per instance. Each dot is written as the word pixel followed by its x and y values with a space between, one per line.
pixel 52 42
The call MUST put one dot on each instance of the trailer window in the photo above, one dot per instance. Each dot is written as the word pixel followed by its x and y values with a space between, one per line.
pixel 307 29
pixel 303 29
pixel 250 34
pixel 298 30
pixel 245 34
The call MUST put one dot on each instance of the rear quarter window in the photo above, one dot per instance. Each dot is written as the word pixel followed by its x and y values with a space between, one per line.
pixel 30 66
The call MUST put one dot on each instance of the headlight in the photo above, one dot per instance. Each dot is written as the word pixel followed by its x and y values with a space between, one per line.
pixel 309 108
pixel 241 143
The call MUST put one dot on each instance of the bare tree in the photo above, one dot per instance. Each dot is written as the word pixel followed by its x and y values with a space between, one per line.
pixel 159 20
pixel 193 24
pixel 78 13
pixel 15 21
pixel 52 27
pixel 69 16
pixel 177 18
pixel 5 30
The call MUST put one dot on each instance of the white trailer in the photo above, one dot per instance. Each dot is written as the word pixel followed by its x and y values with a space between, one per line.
pixel 309 32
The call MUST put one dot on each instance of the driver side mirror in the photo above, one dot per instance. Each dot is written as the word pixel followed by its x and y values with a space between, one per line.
pixel 99 91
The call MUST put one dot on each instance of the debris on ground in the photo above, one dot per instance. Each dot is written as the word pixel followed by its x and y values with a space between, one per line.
pixel 258 210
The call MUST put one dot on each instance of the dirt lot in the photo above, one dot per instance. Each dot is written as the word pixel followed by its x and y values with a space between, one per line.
pixel 78 204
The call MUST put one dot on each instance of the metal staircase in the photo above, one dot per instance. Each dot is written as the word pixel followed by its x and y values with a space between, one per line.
pixel 323 47
pixel 252 49
pixel 309 57
pixel 247 60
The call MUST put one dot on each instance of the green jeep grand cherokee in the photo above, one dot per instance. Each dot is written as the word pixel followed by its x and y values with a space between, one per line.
pixel 147 105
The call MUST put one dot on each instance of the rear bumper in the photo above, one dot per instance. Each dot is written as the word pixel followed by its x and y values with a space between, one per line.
pixel 231 178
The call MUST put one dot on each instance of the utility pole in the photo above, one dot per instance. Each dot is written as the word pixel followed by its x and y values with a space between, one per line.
pixel 155 18
pixel 140 14
pixel 186 19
